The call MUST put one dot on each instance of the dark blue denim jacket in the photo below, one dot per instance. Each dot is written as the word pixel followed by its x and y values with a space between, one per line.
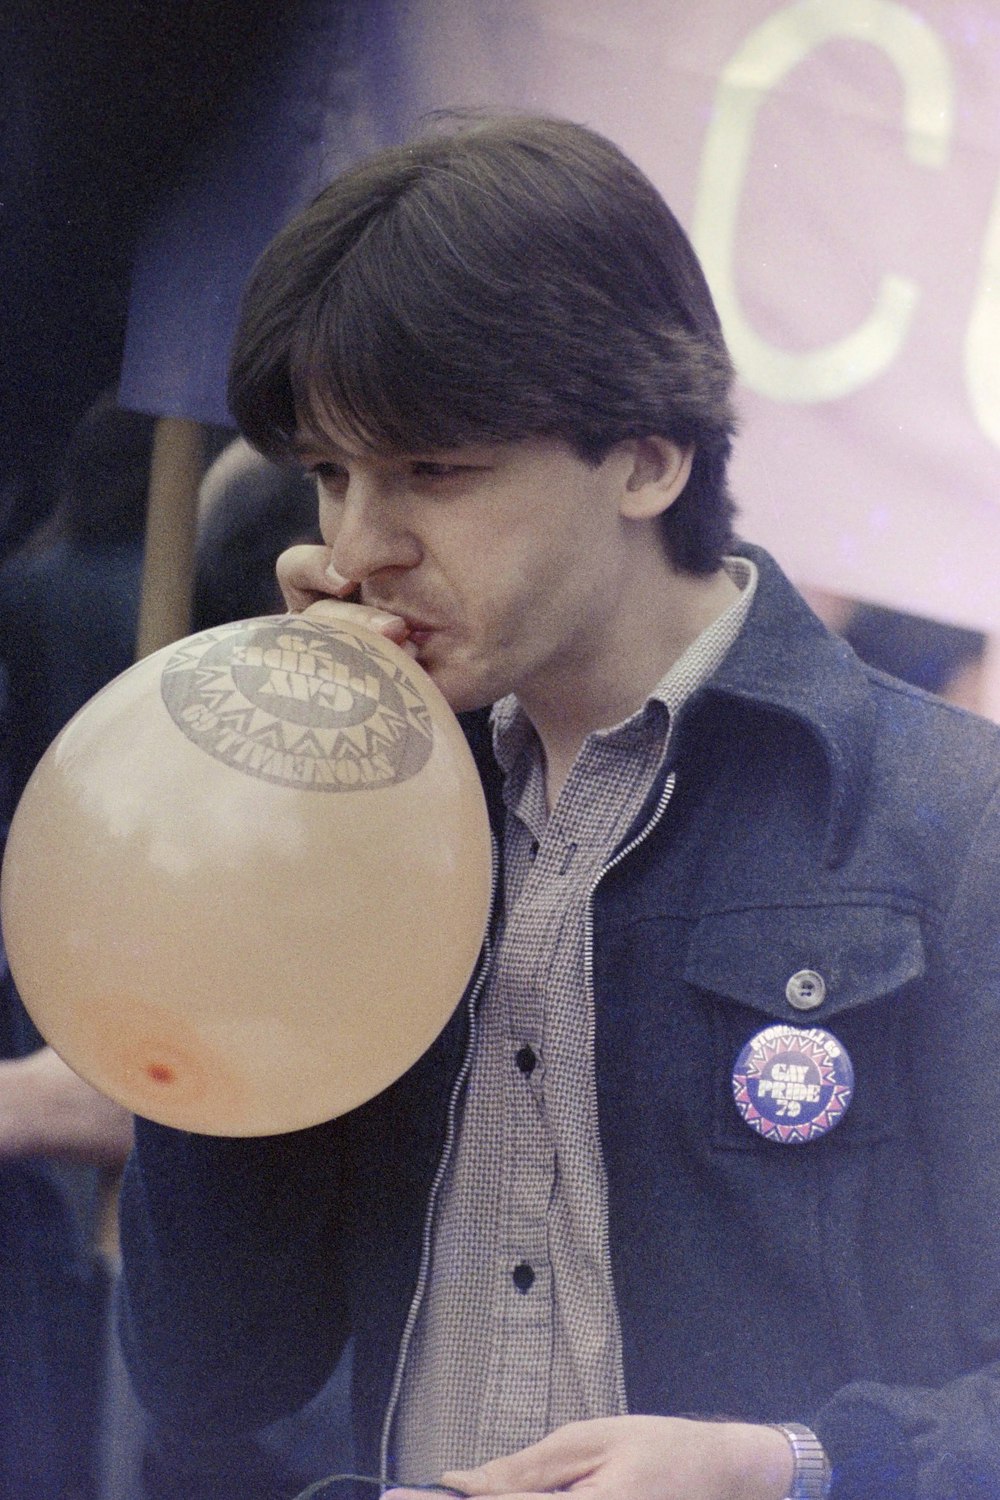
pixel 824 817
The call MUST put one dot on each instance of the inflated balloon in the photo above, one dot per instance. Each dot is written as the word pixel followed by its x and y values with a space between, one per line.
pixel 247 884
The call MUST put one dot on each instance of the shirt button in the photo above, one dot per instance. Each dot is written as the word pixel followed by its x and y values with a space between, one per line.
pixel 806 989
pixel 526 1059
pixel 523 1277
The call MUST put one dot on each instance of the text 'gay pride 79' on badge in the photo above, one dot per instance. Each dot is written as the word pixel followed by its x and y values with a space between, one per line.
pixel 793 1084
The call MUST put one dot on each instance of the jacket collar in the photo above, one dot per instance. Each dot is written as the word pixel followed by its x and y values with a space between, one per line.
pixel 786 660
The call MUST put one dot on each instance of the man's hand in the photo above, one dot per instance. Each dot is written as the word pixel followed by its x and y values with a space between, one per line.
pixel 637 1458
pixel 310 583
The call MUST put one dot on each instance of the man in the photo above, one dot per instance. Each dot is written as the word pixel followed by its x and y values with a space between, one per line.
pixel 695 1196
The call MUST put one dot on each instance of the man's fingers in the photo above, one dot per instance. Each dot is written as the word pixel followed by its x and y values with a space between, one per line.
pixel 338 612
pixel 514 1494
pixel 564 1457
pixel 312 586
pixel 405 1494
pixel 306 573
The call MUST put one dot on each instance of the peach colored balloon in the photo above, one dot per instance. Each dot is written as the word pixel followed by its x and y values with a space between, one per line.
pixel 247 884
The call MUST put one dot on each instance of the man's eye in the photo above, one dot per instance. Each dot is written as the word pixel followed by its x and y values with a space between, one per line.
pixel 425 469
pixel 330 475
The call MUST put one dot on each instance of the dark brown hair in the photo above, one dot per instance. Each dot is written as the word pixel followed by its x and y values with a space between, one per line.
pixel 509 278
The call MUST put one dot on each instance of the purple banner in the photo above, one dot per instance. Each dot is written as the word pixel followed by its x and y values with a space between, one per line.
pixel 838 164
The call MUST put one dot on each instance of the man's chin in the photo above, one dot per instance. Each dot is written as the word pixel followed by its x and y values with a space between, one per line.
pixel 461 695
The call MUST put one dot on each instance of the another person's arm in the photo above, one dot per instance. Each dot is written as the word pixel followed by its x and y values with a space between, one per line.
pixel 47 1110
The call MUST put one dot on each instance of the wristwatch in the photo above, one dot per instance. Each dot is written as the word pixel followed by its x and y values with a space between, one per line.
pixel 812 1475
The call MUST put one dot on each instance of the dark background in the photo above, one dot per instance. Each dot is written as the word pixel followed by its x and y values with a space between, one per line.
pixel 102 103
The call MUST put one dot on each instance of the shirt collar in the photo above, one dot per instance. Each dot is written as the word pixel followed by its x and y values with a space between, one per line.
pixel 514 735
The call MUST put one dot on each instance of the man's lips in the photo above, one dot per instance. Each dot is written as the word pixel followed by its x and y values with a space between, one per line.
pixel 418 629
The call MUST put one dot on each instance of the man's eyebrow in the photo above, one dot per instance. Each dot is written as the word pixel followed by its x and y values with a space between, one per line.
pixel 302 444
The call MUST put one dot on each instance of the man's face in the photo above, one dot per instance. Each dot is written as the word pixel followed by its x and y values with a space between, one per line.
pixel 504 559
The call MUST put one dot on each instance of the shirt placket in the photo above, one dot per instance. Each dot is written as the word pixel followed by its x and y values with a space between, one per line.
pixel 520 1364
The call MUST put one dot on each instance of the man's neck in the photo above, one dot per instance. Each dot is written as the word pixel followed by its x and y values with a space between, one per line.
pixel 650 630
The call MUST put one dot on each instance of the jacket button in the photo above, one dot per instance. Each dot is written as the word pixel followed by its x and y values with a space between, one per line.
pixel 806 989
pixel 523 1277
pixel 526 1059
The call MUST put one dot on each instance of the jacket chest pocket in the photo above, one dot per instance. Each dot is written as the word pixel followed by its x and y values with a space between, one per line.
pixel 845 971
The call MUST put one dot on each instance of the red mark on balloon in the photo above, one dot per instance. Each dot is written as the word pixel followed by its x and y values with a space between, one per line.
pixel 160 1073
pixel 156 1063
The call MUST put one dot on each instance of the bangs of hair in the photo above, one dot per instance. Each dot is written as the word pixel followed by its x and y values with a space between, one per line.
pixel 376 357
pixel 426 335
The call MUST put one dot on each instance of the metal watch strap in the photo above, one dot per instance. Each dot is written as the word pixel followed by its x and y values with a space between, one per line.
pixel 811 1475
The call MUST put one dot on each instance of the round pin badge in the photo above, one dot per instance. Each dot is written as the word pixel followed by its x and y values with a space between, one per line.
pixel 793 1084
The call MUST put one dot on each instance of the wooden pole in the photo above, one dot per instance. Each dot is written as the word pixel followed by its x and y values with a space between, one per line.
pixel 176 470
pixel 175 474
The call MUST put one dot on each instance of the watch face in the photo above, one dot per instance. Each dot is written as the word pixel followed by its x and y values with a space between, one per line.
pixel 792 1084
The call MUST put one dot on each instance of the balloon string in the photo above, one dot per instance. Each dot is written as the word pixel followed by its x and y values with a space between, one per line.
pixel 430 1485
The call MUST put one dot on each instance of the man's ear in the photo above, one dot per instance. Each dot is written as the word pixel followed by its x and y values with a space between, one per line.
pixel 660 470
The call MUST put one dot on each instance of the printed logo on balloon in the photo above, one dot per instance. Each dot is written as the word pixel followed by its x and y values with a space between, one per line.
pixel 300 704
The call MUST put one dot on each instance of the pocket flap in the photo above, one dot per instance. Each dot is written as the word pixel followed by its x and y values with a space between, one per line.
pixel 860 952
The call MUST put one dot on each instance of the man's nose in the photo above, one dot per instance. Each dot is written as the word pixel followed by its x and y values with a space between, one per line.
pixel 369 535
